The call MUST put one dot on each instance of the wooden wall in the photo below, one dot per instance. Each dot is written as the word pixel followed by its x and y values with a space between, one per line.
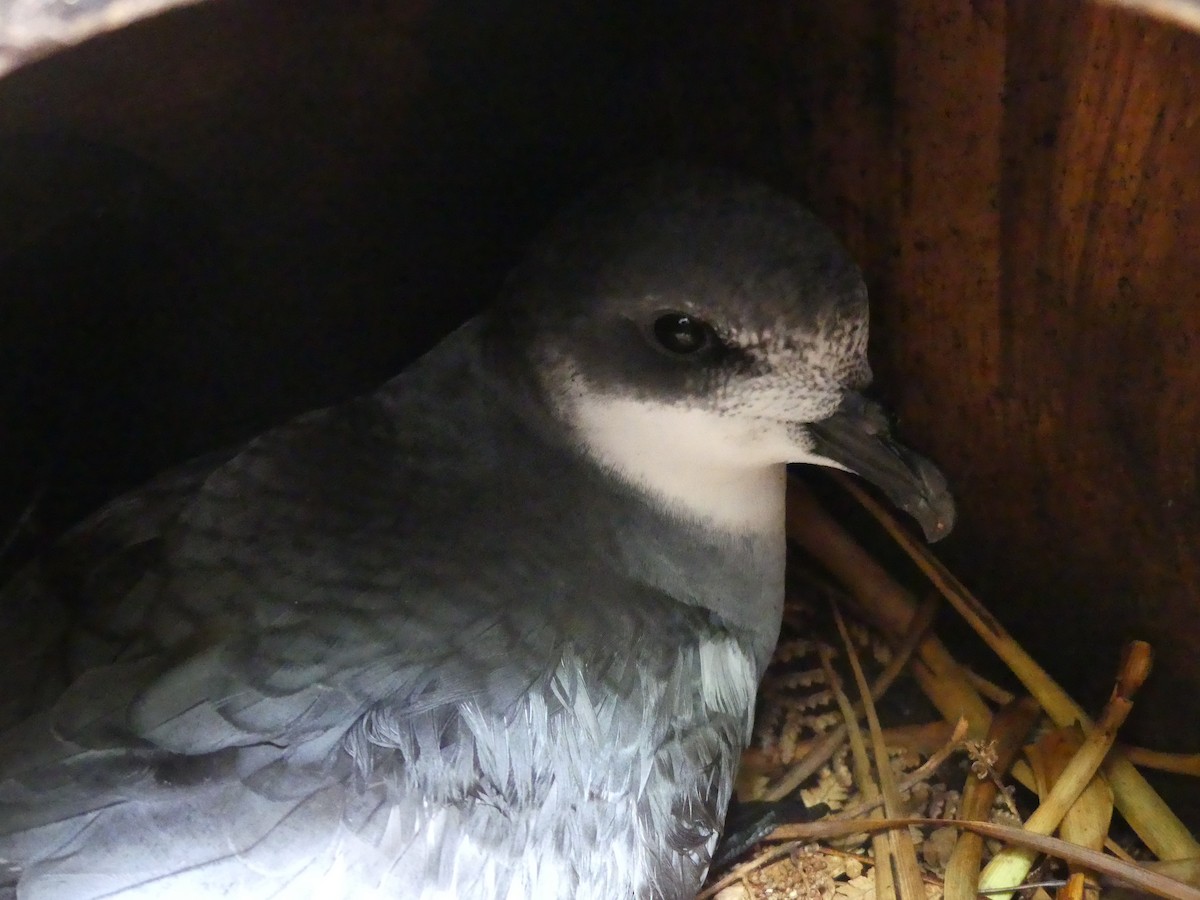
pixel 1021 181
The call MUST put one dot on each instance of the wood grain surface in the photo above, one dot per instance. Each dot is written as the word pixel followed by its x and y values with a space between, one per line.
pixel 1030 173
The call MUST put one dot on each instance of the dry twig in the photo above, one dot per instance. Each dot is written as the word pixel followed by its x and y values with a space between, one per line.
pixel 1008 731
pixel 1013 864
pixel 1144 878
pixel 1145 811
pixel 907 873
pixel 829 742
pixel 881 844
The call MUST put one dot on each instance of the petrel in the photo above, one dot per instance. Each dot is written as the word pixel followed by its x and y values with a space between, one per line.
pixel 492 631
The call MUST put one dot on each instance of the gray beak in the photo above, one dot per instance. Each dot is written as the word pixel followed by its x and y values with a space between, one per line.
pixel 856 437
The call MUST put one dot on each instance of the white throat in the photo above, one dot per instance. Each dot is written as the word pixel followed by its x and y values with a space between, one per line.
pixel 721 472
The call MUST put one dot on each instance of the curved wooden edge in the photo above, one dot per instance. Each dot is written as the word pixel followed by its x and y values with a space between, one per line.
pixel 32 29
pixel 1180 12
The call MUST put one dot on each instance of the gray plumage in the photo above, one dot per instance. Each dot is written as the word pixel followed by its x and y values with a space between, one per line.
pixel 451 639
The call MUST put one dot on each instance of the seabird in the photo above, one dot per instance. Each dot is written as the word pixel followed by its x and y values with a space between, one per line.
pixel 491 631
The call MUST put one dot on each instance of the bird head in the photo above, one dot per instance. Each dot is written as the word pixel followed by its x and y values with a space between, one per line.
pixel 698 331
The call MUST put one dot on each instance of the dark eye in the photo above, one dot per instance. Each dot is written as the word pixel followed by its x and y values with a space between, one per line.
pixel 682 334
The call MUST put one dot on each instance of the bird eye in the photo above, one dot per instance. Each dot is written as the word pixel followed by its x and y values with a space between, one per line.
pixel 681 333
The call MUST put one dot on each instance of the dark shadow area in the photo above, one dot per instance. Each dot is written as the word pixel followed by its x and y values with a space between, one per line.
pixel 220 217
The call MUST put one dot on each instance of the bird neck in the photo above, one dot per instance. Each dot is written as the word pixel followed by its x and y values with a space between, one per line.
pixel 674 458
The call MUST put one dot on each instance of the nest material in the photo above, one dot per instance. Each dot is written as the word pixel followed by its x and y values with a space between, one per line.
pixel 963 796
